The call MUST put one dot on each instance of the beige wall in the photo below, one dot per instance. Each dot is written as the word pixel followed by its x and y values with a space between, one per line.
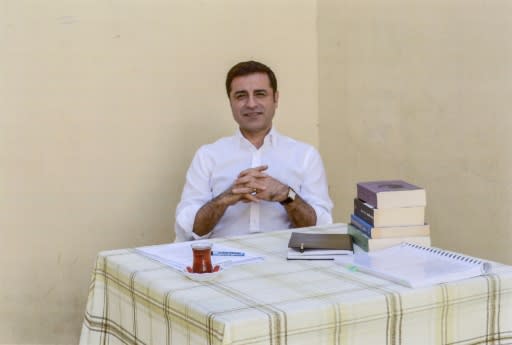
pixel 102 105
pixel 421 90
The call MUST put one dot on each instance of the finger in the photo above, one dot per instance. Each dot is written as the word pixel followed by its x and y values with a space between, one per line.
pixel 255 188
pixel 241 190
pixel 251 197
pixel 257 169
pixel 252 175
pixel 263 194
pixel 245 190
pixel 250 179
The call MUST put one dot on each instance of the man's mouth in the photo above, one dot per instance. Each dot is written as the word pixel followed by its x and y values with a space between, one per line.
pixel 253 114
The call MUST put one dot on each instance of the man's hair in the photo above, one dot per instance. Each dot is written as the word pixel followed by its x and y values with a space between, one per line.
pixel 250 67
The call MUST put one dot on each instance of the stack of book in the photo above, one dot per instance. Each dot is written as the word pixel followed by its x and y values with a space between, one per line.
pixel 387 213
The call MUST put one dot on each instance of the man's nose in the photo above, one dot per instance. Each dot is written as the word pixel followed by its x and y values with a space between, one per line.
pixel 251 101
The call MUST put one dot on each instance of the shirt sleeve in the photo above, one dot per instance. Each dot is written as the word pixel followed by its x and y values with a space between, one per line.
pixel 196 192
pixel 314 188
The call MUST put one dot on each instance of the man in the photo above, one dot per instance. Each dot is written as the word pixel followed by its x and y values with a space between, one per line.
pixel 257 180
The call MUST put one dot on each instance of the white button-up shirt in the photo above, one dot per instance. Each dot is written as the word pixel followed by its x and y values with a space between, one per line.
pixel 216 166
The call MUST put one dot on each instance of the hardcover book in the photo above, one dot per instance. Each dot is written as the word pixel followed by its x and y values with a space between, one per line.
pixel 368 244
pixel 391 193
pixel 389 231
pixel 312 246
pixel 378 217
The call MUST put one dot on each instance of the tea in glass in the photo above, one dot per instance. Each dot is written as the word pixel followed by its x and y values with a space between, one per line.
pixel 202 257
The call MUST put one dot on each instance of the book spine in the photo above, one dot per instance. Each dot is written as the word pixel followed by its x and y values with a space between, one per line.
pixel 358 237
pixel 366 195
pixel 364 212
pixel 361 225
pixel 400 231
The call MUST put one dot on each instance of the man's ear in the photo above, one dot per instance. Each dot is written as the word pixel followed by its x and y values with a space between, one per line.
pixel 276 98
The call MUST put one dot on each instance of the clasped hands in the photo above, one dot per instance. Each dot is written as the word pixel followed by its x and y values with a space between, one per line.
pixel 254 184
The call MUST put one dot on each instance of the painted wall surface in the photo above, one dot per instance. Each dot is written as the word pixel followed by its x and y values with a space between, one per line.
pixel 421 90
pixel 102 105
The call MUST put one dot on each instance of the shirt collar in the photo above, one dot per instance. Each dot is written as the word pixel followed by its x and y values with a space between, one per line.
pixel 270 139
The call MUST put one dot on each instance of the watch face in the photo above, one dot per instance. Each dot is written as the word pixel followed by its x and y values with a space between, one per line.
pixel 290 197
pixel 291 194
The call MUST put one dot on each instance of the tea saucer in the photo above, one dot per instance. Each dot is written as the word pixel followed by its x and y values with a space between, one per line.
pixel 203 277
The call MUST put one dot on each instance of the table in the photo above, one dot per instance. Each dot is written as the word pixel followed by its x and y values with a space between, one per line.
pixel 137 300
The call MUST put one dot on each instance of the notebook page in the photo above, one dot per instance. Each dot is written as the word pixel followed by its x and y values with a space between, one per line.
pixel 179 255
pixel 416 266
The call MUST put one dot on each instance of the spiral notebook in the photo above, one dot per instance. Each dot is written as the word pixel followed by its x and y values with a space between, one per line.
pixel 415 266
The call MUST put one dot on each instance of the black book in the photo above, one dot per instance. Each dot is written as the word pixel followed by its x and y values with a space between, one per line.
pixel 317 246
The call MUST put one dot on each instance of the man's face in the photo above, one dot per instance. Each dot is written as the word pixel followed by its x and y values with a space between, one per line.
pixel 253 103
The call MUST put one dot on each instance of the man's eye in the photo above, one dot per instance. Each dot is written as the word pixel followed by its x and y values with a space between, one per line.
pixel 261 94
pixel 240 96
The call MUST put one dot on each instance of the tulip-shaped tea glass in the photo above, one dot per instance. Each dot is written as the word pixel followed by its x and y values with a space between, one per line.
pixel 202 261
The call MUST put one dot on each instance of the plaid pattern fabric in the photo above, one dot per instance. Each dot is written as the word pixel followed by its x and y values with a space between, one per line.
pixel 137 300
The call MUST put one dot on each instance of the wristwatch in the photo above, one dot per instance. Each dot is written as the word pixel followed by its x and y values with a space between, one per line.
pixel 290 197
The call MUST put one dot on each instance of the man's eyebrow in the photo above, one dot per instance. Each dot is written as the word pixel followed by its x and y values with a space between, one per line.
pixel 245 92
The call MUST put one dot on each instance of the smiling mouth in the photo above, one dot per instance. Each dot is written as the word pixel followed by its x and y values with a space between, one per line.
pixel 252 114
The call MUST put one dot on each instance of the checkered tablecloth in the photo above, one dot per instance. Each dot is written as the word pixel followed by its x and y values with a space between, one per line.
pixel 137 300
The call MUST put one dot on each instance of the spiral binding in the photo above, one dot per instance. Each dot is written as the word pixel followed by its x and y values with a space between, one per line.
pixel 445 253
